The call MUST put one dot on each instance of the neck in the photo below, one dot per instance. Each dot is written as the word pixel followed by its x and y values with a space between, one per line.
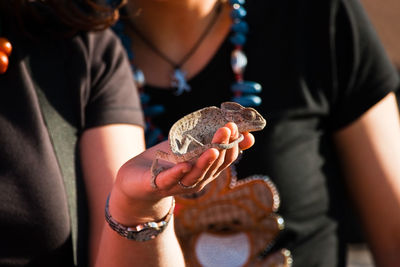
pixel 171 18
pixel 174 27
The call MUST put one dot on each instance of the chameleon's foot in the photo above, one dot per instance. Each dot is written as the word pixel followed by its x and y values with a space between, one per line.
pixel 230 145
pixel 154 174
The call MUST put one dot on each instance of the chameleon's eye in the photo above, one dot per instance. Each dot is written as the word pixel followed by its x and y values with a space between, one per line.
pixel 249 115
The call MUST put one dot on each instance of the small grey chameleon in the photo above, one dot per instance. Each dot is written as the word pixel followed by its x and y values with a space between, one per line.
pixel 191 135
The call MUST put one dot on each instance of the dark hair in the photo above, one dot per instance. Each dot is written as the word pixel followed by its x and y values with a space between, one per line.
pixel 71 15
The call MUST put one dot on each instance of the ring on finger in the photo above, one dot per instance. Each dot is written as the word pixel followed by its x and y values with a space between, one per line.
pixel 186 186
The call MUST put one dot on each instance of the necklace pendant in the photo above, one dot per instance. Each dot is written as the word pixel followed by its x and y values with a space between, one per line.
pixel 179 82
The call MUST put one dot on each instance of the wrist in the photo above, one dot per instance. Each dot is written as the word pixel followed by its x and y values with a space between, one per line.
pixel 132 211
pixel 139 232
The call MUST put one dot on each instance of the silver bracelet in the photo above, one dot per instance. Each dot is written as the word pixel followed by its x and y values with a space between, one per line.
pixel 141 232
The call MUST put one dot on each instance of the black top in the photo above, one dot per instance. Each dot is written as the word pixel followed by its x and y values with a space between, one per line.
pixel 321 67
pixel 86 82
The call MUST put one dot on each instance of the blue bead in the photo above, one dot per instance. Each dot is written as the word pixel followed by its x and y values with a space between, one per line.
pixel 248 100
pixel 154 110
pixel 144 98
pixel 241 27
pixel 247 87
pixel 118 27
pixel 238 13
pixel 130 54
pixel 239 2
pixel 126 41
pixel 238 39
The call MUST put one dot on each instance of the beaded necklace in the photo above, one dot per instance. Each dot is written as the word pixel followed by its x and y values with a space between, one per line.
pixel 5 52
pixel 244 92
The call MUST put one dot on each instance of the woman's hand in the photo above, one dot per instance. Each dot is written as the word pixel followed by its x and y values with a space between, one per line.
pixel 134 200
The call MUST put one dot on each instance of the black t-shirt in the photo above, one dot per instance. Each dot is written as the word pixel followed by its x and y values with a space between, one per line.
pixel 86 82
pixel 321 67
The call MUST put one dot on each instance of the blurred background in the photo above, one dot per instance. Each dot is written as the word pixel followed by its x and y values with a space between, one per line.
pixel 385 15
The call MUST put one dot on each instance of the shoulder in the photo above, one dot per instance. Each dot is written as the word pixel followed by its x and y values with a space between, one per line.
pixel 97 43
pixel 102 54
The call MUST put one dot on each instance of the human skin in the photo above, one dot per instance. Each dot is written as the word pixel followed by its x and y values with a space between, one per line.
pixel 133 200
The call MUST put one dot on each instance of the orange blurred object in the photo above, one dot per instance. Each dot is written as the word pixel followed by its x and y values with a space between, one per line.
pixel 5 46
pixel 3 62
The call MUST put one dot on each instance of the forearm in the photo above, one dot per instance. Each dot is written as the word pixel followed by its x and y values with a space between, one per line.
pixel 123 214
pixel 116 250
pixel 103 151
